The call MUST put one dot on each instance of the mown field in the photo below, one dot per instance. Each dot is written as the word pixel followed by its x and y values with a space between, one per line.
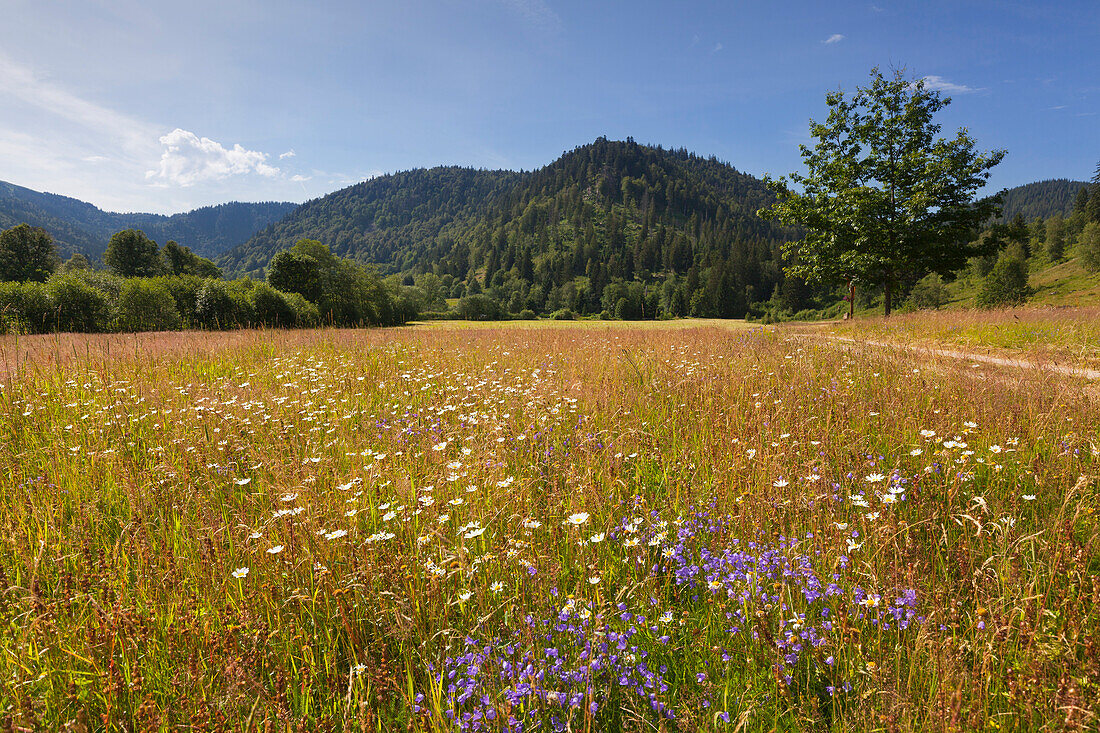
pixel 583 528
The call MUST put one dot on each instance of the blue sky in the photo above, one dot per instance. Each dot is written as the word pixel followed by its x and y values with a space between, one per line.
pixel 157 106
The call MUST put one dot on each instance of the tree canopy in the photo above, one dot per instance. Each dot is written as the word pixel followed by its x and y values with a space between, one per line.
pixel 345 292
pixel 885 200
pixel 182 261
pixel 132 254
pixel 27 253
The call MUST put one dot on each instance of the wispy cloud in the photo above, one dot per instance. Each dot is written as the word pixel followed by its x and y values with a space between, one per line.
pixel 188 159
pixel 835 38
pixel 717 48
pixel 21 84
pixel 53 138
pixel 939 84
pixel 288 154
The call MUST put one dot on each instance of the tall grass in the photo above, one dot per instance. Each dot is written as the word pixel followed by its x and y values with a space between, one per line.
pixel 576 528
pixel 1062 334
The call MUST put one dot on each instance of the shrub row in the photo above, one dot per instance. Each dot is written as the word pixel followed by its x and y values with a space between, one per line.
pixel 97 301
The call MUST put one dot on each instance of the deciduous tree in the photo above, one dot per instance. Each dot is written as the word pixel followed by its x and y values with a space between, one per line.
pixel 27 253
pixel 885 199
pixel 132 254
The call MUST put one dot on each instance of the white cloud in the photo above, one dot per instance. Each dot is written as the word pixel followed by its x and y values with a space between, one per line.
pixel 717 48
pixel 188 159
pixel 939 84
pixel 835 38
pixel 299 178
pixel 288 154
pixel 61 139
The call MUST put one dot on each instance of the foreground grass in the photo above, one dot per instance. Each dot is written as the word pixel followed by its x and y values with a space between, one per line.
pixel 1070 335
pixel 577 528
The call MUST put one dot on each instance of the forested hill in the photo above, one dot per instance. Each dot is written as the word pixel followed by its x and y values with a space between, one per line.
pixel 389 219
pixel 606 222
pixel 77 226
pixel 1041 199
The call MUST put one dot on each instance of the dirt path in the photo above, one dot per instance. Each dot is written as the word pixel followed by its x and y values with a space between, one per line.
pixel 973 357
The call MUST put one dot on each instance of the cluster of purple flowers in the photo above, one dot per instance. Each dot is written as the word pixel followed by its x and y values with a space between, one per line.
pixel 553 671
pixel 775 613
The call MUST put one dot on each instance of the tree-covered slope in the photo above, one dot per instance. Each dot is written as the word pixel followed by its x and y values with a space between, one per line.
pixel 1041 199
pixel 605 222
pixel 383 220
pixel 77 226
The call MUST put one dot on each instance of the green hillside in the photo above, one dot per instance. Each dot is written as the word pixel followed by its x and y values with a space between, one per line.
pixel 77 226
pixel 1041 199
pixel 608 226
pixel 384 220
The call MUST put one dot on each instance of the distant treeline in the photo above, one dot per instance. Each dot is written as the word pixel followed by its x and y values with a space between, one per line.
pixel 146 287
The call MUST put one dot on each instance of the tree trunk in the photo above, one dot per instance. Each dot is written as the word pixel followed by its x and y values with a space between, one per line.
pixel 888 299
pixel 851 299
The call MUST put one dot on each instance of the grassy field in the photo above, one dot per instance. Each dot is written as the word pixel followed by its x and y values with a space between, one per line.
pixel 563 527
pixel 1064 335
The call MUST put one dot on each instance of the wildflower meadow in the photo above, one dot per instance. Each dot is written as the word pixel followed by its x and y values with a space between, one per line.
pixel 567 528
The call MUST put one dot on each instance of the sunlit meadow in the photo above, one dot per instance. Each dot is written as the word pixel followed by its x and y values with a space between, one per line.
pixel 514 529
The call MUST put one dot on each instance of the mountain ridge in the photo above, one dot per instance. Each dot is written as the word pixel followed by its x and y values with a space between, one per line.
pixel 78 226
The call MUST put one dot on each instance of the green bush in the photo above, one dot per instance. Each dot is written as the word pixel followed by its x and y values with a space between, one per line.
pixel 928 293
pixel 1006 284
pixel 25 307
pixel 77 305
pixel 103 281
pixel 526 315
pixel 563 314
pixel 306 314
pixel 223 305
pixel 146 305
pixel 479 308
pixel 185 291
pixel 270 307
